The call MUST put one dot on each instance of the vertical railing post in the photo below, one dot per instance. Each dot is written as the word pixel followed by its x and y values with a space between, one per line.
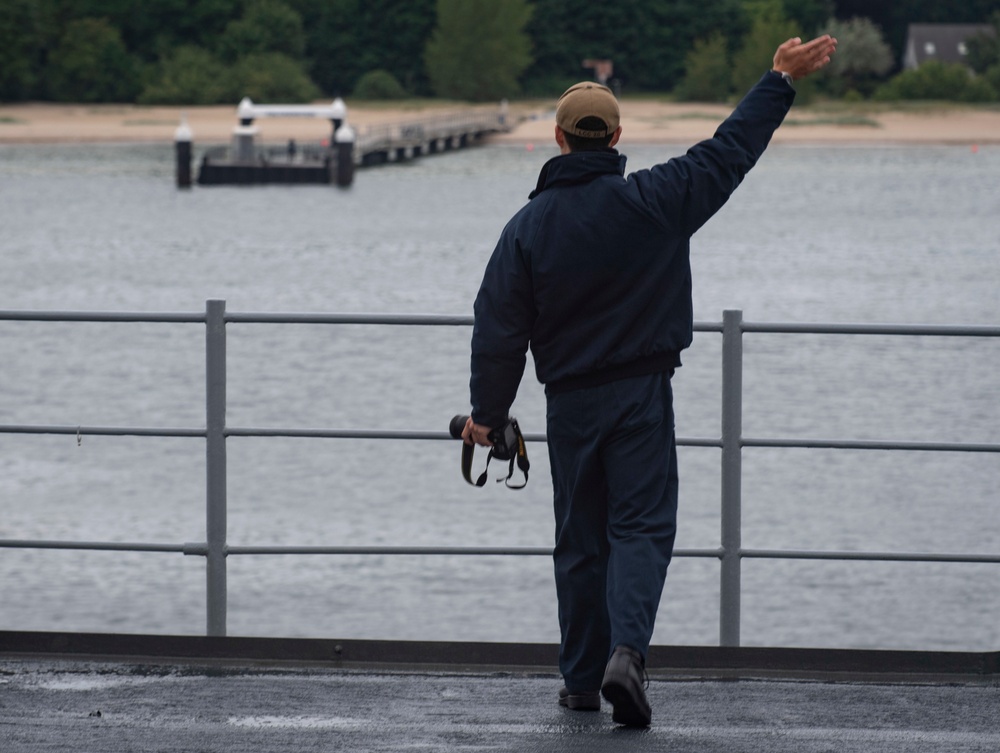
pixel 732 470
pixel 215 435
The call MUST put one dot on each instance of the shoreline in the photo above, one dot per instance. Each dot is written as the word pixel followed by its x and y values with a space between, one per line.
pixel 643 122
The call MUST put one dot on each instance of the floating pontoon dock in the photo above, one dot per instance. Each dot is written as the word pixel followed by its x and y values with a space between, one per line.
pixel 245 161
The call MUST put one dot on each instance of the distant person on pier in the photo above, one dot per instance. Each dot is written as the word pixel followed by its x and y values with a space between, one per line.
pixel 594 275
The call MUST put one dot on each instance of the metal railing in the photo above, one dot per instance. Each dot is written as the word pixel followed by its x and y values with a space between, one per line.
pixel 730 553
pixel 440 128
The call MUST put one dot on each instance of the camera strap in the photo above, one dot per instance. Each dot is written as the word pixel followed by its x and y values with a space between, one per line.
pixel 521 458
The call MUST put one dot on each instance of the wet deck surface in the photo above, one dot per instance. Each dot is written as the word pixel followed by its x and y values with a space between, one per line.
pixel 53 704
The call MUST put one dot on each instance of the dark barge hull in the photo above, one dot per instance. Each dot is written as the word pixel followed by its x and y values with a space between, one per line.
pixel 215 174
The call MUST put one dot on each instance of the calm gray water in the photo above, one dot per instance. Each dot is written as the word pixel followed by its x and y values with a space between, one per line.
pixel 900 235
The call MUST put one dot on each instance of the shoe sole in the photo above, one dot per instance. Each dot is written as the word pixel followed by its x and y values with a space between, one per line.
pixel 627 710
pixel 572 703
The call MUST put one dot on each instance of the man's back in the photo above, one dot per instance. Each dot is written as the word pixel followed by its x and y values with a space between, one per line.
pixel 594 271
pixel 608 272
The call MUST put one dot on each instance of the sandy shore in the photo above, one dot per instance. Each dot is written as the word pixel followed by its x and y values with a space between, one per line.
pixel 643 121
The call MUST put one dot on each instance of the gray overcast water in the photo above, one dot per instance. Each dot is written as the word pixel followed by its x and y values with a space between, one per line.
pixel 849 234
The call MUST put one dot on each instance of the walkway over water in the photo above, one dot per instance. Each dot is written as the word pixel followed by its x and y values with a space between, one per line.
pixel 246 162
pixel 77 702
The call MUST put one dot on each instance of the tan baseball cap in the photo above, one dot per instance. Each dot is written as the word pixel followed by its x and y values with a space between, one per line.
pixel 587 100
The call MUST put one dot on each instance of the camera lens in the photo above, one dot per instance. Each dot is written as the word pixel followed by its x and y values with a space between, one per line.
pixel 457 426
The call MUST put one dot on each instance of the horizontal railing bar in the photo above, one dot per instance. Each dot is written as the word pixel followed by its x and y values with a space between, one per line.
pixel 104 316
pixel 105 546
pixel 772 328
pixel 817 328
pixel 708 327
pixel 269 432
pixel 698 442
pixel 431 550
pixel 407 435
pixel 789 554
pixel 775 443
pixel 360 318
pixel 201 549
pixel 775 554
pixel 932 330
pixel 345 434
pixel 861 444
pixel 390 550
pixel 139 431
pixel 119 431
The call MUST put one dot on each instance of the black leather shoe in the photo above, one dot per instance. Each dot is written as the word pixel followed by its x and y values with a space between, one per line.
pixel 624 688
pixel 586 701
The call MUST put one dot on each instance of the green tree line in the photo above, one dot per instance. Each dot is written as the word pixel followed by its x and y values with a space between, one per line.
pixel 217 51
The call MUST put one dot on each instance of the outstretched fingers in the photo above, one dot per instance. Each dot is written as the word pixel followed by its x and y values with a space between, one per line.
pixel 819 50
pixel 798 59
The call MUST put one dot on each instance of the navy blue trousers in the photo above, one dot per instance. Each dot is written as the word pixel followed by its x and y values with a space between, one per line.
pixel 614 473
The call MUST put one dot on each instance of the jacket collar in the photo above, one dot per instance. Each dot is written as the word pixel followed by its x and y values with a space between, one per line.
pixel 578 167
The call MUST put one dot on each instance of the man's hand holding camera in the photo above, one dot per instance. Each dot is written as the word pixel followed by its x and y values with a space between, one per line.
pixel 505 443
pixel 477 434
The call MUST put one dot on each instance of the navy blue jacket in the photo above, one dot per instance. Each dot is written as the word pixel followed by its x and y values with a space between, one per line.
pixel 594 271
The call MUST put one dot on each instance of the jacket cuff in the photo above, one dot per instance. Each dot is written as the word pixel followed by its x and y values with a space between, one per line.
pixel 786 76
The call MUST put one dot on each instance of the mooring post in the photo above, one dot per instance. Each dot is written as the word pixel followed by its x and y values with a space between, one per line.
pixel 242 149
pixel 338 114
pixel 344 144
pixel 182 152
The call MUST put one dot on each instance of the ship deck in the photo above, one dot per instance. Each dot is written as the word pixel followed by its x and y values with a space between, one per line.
pixel 66 692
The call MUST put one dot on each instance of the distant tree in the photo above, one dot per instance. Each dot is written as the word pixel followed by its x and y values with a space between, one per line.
pixel 992 77
pixel 863 57
pixel 189 76
pixel 479 48
pixel 152 29
pixel 942 11
pixel 26 28
pixel 773 9
pixel 667 30
pixel 984 54
pixel 378 84
pixel 936 80
pixel 756 56
pixel 810 15
pixel 270 77
pixel 347 38
pixel 394 35
pixel 266 26
pixel 708 75
pixel 895 16
pixel 984 49
pixel 334 46
pixel 91 64
pixel 566 34
pixel 647 40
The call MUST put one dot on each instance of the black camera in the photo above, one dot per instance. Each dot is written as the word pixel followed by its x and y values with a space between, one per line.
pixel 508 444
pixel 507 440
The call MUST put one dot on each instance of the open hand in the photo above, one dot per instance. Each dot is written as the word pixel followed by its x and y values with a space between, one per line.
pixel 799 60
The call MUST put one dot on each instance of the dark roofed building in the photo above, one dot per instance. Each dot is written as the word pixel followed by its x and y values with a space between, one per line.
pixel 943 42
